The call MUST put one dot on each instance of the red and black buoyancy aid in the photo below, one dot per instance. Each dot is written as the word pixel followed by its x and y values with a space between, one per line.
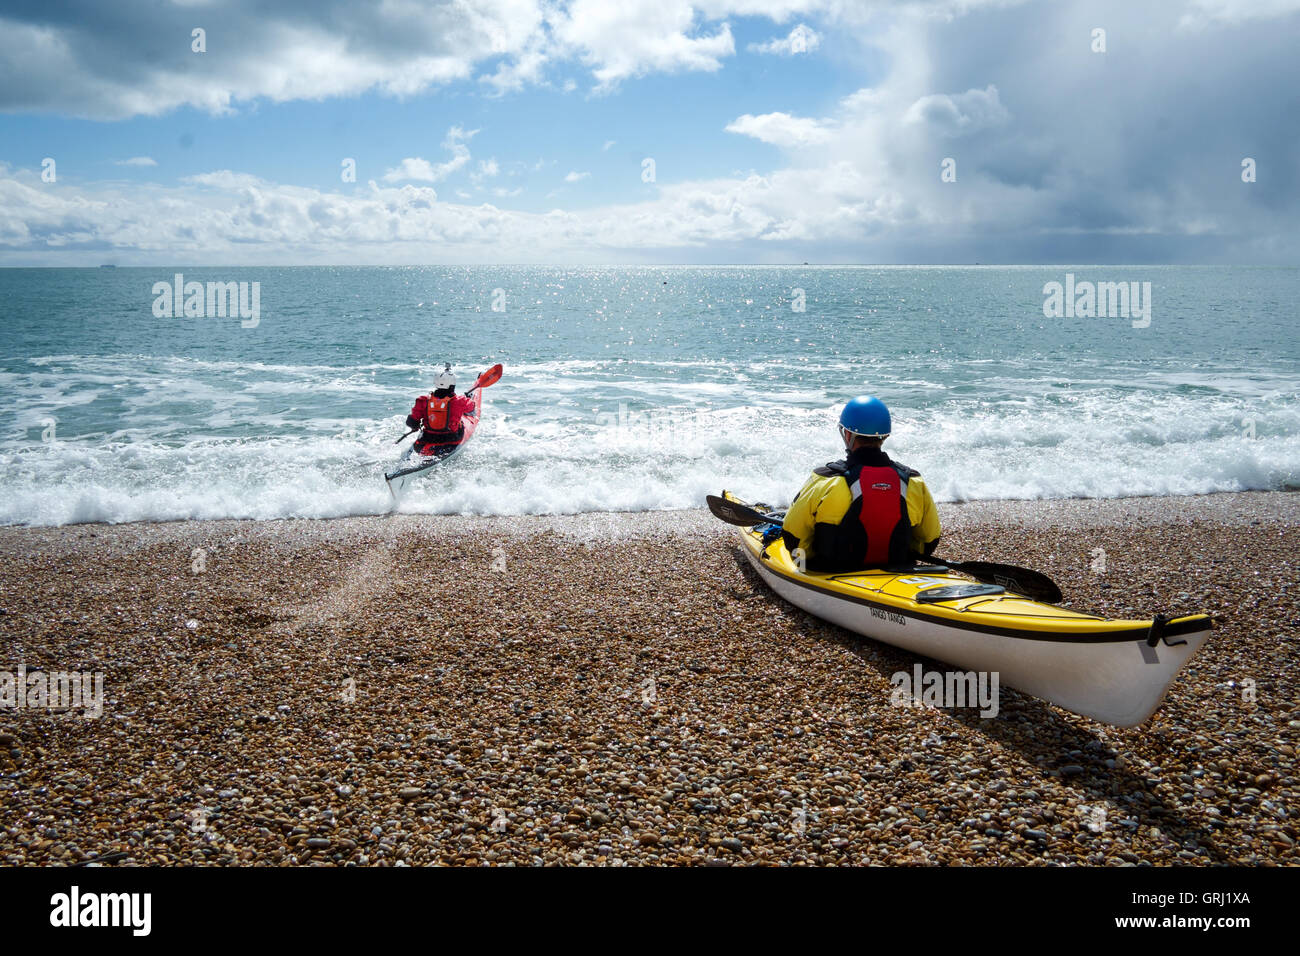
pixel 876 531
pixel 880 507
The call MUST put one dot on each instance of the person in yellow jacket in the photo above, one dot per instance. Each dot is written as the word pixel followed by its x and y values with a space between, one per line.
pixel 864 511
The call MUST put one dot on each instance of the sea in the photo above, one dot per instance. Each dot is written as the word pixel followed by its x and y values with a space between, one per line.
pixel 634 388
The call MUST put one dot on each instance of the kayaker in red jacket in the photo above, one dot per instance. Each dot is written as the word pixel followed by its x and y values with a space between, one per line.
pixel 438 414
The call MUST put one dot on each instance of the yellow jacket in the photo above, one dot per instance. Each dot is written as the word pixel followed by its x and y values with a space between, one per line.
pixel 825 499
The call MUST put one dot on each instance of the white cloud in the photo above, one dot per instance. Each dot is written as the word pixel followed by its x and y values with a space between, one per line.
pixel 1099 170
pixel 416 168
pixel 225 179
pixel 1204 13
pixel 412 167
pixel 239 218
pixel 781 129
pixel 608 144
pixel 574 176
pixel 802 39
pixel 136 161
pixel 71 64
pixel 487 169
pixel 966 112
pixel 514 75
pixel 635 37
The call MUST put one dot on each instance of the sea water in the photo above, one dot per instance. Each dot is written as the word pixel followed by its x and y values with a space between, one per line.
pixel 632 388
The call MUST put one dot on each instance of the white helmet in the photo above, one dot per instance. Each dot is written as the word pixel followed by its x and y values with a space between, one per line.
pixel 445 379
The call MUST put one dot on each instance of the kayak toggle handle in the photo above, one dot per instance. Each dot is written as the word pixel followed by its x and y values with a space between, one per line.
pixel 1157 632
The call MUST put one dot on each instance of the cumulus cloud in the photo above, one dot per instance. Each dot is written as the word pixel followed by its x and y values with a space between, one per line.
pixel 415 168
pixel 136 161
pixel 781 129
pixel 574 176
pixel 802 39
pixel 635 37
pixel 963 113
pixel 525 69
pixel 73 58
pixel 1063 156
pixel 236 218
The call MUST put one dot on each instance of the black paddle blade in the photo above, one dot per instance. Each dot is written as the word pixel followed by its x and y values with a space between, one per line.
pixel 734 513
pixel 1033 584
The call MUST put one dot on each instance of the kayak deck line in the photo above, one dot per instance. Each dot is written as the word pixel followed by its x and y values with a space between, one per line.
pixel 1136 629
pixel 976 600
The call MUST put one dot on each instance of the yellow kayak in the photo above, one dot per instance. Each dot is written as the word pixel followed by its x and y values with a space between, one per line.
pixel 1114 671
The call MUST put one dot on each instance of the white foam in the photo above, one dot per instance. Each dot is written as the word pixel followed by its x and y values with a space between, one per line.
pixel 206 440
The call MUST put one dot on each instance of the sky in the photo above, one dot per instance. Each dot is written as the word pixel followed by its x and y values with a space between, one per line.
pixel 649 131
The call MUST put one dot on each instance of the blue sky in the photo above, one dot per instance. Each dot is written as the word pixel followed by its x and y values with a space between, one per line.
pixel 780 130
pixel 301 141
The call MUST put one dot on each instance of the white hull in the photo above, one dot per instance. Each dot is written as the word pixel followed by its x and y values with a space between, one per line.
pixel 1119 682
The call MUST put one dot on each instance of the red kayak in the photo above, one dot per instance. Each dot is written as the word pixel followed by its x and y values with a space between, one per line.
pixel 415 463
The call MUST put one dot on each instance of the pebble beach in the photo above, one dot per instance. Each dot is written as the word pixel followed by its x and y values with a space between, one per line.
pixel 621 689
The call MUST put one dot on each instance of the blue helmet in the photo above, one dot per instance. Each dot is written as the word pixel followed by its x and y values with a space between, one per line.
pixel 867 416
